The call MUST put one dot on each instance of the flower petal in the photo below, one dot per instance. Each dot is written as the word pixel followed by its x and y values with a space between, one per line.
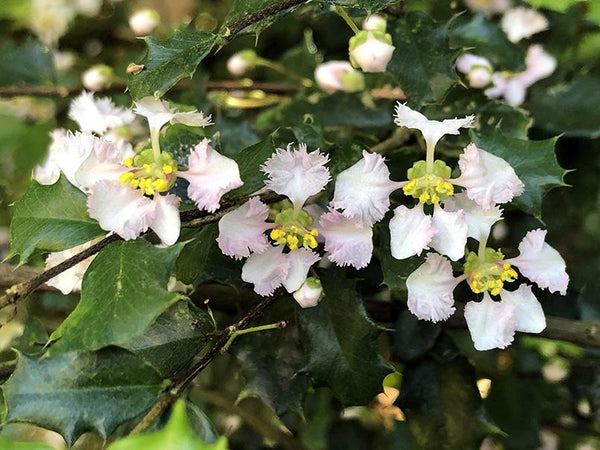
pixel 158 112
pixel 349 242
pixel 430 289
pixel 519 23
pixel 98 115
pixel 491 324
pixel 69 280
pixel 541 263
pixel 479 220
pixel 539 63
pixel 103 163
pixel 450 235
pixel 120 209
pixel 296 173
pixel 192 119
pixel 529 312
pixel 363 190
pixel 267 270
pixel 411 231
pixel 241 231
pixel 487 178
pixel 166 222
pixel 300 261
pixel 211 175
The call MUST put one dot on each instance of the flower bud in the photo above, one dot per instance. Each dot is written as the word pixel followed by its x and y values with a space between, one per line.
pixel 477 69
pixel 144 22
pixel 240 62
pixel 371 50
pixel 335 76
pixel 97 77
pixel 309 294
pixel 64 61
pixel 374 23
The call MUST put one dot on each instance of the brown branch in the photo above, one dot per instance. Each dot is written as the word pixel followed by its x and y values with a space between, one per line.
pixel 181 383
pixel 257 16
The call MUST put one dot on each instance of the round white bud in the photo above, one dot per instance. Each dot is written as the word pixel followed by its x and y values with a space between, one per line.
pixel 144 22
pixel 309 294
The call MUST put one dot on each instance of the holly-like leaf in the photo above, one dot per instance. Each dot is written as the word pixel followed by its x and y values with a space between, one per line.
pixel 571 108
pixel 196 254
pixel 7 444
pixel 485 38
pixel 179 334
pixel 124 290
pixel 368 5
pixel 241 9
pixel 423 62
pixel 249 161
pixel 169 61
pixel 442 404
pixel 533 161
pixel 341 342
pixel 51 218
pixel 28 63
pixel 176 435
pixel 81 391
pixel 413 337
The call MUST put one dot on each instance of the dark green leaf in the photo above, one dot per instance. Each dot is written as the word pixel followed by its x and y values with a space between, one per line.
pixel 33 339
pixel 200 423
pixel 413 338
pixel 423 63
pixel 176 435
pixel 341 342
pixel 534 162
pixel 241 9
pixel 249 161
pixel 123 292
pixel 81 391
pixel 169 61
pixel 28 63
pixel 485 38
pixel 51 218
pixel 395 271
pixel 7 444
pixel 195 255
pixel 179 334
pixel 442 404
pixel 368 5
pixel 570 108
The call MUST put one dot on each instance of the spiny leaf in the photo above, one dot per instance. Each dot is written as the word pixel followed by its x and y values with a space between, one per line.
pixel 123 292
pixel 51 218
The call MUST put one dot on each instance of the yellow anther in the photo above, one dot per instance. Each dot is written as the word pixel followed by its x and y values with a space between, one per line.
pixel 449 187
pixel 491 284
pixel 434 198
pixel 276 234
pixel 160 185
pixel 314 232
pixel 309 240
pixel 128 162
pixel 423 198
pixel 147 168
pixel 294 229
pixel 495 291
pixel 167 169
pixel 506 266
pixel 125 177
pixel 292 242
pixel 477 275
pixel 149 190
pixel 134 183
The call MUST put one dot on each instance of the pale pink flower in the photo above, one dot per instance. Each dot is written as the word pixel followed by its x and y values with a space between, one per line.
pixel 363 190
pixel 479 220
pixel 309 294
pixel 491 324
pixel 144 21
pixel 166 222
pixel 477 69
pixel 349 242
pixel 98 115
pixel 104 162
pixel 158 112
pixel 211 175
pixel 528 311
pixel 374 54
pixel 335 76
pixel 450 236
pixel 411 231
pixel 520 23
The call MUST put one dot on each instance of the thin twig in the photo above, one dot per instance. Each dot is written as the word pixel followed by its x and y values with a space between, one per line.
pixel 181 383
pixel 257 16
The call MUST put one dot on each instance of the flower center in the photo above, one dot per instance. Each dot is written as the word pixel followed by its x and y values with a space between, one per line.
pixel 150 175
pixel 429 187
pixel 488 273
pixel 294 229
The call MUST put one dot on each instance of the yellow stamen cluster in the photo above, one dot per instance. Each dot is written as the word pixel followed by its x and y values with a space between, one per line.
pixel 491 277
pixel 148 175
pixel 295 237
pixel 429 189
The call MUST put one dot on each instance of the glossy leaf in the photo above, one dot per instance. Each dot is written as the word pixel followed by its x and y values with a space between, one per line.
pixel 196 254
pixel 423 62
pixel 249 161
pixel 124 290
pixel 413 338
pixel 169 61
pixel 81 391
pixel 28 63
pixel 534 163
pixel 240 9
pixel 341 342
pixel 51 218
pixel 368 5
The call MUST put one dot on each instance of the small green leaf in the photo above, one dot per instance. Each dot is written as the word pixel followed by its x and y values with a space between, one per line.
pixel 176 435
pixel 485 38
pixel 249 161
pixel 7 444
pixel 423 62
pixel 169 61
pixel 81 391
pixel 534 163
pixel 196 254
pixel 123 292
pixel 28 63
pixel 51 218
pixel 341 342
pixel 179 334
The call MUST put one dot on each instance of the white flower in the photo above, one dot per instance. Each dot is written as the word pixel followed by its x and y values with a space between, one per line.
pixel 479 220
pixel 300 262
pixel 87 8
pixel 98 115
pixel 450 236
pixel 241 231
pixel 432 130
pixel 491 324
pixel 49 19
pixel 363 190
pixel 430 289
pixel 489 7
pixel 64 61
pixel 144 21
pixel 158 112
pixel 374 22
pixel 309 294
pixel 211 175
pixel 104 162
pixel 166 222
pixel 69 280
pixel 371 51
pixel 541 263
pixel 528 311
pixel 97 77
pixel 335 76
pixel 487 178
pixel 411 231
pixel 539 65
pixel 240 62
pixel 520 23
pixel 296 173
pixel 477 69
pixel 348 241
pixel 49 171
